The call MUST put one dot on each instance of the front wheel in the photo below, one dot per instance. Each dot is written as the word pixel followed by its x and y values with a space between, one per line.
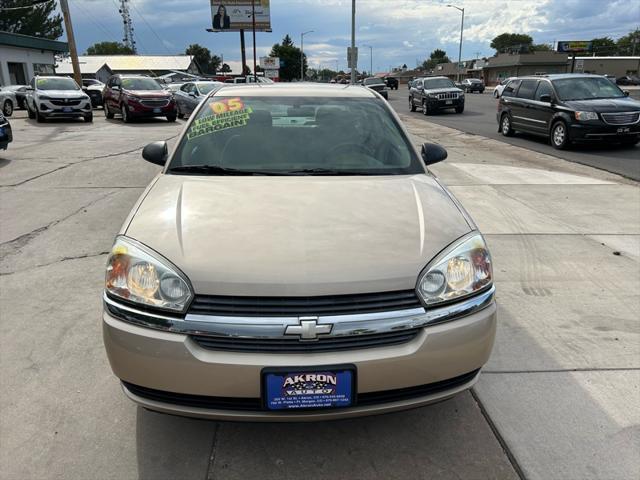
pixel 39 117
pixel 88 117
pixel 460 109
pixel 560 136
pixel 107 113
pixel 412 105
pixel 30 114
pixel 126 118
pixel 630 142
pixel 505 126
pixel 171 118
pixel 425 108
pixel 7 108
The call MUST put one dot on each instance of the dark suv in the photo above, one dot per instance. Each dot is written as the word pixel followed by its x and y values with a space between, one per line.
pixel 471 85
pixel 391 82
pixel 569 108
pixel 435 93
pixel 137 96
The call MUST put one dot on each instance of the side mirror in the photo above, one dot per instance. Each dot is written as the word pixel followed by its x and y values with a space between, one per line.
pixel 626 93
pixel 545 98
pixel 29 88
pixel 156 152
pixel 432 153
pixel 192 94
pixel 115 87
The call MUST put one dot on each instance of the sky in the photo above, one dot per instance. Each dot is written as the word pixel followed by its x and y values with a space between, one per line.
pixel 399 31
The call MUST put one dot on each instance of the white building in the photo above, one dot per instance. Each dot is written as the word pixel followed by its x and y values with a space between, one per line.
pixel 23 56
pixel 103 66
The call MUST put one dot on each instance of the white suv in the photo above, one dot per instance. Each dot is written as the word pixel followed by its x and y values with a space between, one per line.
pixel 57 97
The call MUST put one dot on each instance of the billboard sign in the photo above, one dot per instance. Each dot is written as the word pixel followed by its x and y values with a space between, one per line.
pixel 235 15
pixel 270 63
pixel 574 47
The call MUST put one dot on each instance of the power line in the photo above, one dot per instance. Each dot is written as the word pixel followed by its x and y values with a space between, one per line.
pixel 92 20
pixel 150 27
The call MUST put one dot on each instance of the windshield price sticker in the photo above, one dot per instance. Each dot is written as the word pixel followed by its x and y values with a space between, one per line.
pixel 227 113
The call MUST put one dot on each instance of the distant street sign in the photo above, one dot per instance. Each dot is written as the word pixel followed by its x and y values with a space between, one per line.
pixel 352 57
pixel 270 63
pixel 575 47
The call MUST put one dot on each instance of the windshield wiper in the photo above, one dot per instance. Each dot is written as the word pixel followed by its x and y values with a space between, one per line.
pixel 328 171
pixel 216 170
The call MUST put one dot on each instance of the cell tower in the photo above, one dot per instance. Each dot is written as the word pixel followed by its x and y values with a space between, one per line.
pixel 127 26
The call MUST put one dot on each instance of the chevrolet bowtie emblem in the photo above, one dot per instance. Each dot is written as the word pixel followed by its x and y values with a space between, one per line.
pixel 309 329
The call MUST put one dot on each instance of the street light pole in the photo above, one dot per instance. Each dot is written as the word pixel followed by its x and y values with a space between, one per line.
pixel 460 49
pixel 353 42
pixel 302 54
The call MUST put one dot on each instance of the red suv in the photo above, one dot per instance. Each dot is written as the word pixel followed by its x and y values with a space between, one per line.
pixel 137 96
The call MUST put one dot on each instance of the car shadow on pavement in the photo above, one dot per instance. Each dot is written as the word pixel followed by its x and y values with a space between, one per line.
pixel 141 122
pixel 450 439
pixel 4 161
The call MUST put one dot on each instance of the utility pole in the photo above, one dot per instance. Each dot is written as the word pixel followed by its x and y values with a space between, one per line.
pixel 461 30
pixel 243 53
pixel 253 17
pixel 353 42
pixel 64 6
pixel 302 54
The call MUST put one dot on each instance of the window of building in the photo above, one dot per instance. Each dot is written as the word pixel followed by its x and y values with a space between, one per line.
pixel 43 69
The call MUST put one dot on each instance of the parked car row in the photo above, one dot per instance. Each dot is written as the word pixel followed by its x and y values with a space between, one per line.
pixel 568 108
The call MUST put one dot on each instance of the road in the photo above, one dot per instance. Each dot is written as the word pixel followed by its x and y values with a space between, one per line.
pixel 557 400
pixel 479 118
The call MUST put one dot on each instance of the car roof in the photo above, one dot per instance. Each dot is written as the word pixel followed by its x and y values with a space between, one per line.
pixel 300 89
pixel 559 76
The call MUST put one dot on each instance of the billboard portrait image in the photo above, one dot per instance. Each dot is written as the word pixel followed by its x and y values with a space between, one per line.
pixel 234 15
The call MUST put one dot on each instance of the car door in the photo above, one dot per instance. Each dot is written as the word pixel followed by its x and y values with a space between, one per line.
pixel 192 98
pixel 181 98
pixel 508 100
pixel 541 112
pixel 523 117
pixel 416 92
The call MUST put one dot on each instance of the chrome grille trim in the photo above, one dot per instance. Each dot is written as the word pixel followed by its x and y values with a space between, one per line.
pixel 274 327
pixel 621 118
pixel 154 102
pixel 448 96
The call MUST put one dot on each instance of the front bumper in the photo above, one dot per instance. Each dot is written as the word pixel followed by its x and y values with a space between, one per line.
pixel 162 370
pixel 598 131
pixel 435 103
pixel 58 109
pixel 140 110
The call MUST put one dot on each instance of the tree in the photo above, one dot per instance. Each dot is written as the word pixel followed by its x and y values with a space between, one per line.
pixel 629 44
pixel 109 48
pixel 540 47
pixel 225 68
pixel 436 57
pixel 511 41
pixel 208 63
pixel 288 53
pixel 39 21
pixel 604 46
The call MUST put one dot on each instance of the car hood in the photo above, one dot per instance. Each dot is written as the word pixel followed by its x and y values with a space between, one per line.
pixel 605 105
pixel 443 90
pixel 376 86
pixel 300 235
pixel 62 93
pixel 149 93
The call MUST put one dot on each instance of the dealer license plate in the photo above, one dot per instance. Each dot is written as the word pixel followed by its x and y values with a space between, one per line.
pixel 317 388
pixel 623 130
pixel 157 110
pixel 449 102
pixel 67 109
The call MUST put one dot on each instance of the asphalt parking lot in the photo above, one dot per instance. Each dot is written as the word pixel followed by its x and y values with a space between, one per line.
pixel 558 398
pixel 479 118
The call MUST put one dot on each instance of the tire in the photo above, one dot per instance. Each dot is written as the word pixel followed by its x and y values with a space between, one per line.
pixel 412 106
pixel 7 108
pixel 505 126
pixel 39 117
pixel 30 114
pixel 460 109
pixel 107 113
pixel 88 117
pixel 179 114
pixel 630 142
pixel 126 118
pixel 171 118
pixel 425 108
pixel 559 136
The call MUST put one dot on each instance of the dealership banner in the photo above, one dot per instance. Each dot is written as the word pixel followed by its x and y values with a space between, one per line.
pixel 574 47
pixel 234 15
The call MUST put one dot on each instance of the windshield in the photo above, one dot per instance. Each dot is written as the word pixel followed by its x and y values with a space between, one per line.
pixel 56 84
pixel 205 88
pixel 373 81
pixel 586 88
pixel 296 136
pixel 430 83
pixel 140 84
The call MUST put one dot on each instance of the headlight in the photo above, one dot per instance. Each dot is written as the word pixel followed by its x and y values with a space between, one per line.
pixel 133 98
pixel 44 97
pixel 461 95
pixel 462 269
pixel 138 274
pixel 583 116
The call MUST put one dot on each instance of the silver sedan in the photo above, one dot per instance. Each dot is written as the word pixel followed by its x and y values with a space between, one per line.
pixel 189 95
